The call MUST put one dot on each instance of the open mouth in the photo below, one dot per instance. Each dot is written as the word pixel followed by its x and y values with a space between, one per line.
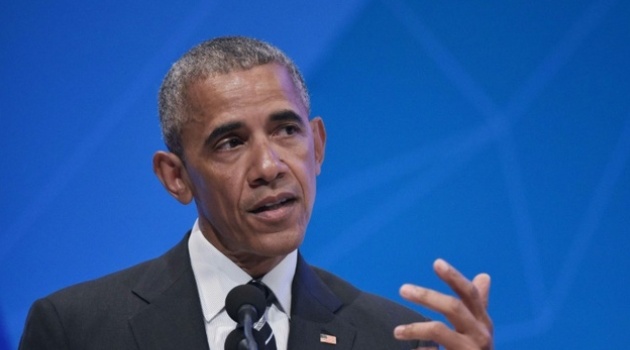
pixel 273 206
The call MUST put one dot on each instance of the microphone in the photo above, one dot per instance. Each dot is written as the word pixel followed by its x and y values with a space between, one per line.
pixel 236 340
pixel 244 304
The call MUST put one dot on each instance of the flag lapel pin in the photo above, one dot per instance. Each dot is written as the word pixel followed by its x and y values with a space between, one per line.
pixel 327 339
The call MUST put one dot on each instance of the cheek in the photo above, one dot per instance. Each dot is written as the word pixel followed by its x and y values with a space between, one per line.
pixel 218 191
pixel 227 194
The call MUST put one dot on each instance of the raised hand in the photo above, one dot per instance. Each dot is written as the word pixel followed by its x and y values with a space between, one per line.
pixel 467 313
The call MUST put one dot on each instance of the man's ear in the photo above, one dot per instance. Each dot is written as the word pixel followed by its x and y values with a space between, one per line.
pixel 319 140
pixel 170 169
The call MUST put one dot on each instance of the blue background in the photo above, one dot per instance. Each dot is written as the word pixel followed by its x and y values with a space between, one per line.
pixel 495 134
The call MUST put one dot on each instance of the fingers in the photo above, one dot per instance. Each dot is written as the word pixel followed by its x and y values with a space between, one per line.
pixel 452 308
pixel 435 331
pixel 476 300
pixel 467 312
pixel 482 282
pixel 443 335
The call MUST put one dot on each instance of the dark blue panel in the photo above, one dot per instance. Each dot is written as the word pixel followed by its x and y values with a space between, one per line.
pixel 494 134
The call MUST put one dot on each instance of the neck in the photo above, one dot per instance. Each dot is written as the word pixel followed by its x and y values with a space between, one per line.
pixel 255 265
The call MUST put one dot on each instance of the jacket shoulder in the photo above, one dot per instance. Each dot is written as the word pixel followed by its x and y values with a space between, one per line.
pixel 368 304
pixel 102 288
pixel 96 309
pixel 374 317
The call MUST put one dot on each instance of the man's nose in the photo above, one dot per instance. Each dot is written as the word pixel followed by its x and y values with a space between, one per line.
pixel 266 165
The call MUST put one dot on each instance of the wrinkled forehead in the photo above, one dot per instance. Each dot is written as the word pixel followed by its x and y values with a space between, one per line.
pixel 261 86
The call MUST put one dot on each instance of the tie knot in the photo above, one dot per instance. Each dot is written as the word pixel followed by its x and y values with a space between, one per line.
pixel 269 296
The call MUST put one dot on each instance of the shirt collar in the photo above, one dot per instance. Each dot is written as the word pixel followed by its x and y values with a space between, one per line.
pixel 216 275
pixel 280 279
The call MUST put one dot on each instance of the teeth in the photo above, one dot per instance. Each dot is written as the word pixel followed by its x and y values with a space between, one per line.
pixel 271 206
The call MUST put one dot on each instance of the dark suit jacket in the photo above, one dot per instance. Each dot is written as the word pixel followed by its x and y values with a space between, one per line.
pixel 155 305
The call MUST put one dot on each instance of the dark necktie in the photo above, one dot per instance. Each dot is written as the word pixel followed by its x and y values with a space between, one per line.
pixel 265 330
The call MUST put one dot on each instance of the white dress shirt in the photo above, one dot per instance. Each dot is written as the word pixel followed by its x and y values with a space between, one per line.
pixel 216 275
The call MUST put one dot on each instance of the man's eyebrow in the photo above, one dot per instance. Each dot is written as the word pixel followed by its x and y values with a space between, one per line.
pixel 286 115
pixel 222 130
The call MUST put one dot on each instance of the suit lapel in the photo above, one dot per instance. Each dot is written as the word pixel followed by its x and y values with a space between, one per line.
pixel 313 314
pixel 172 318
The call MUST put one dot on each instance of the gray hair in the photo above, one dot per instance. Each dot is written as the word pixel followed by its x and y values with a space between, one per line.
pixel 214 57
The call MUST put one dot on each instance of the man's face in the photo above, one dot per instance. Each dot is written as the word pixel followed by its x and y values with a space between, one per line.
pixel 251 157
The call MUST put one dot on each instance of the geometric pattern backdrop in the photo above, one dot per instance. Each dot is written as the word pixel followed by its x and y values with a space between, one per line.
pixel 493 134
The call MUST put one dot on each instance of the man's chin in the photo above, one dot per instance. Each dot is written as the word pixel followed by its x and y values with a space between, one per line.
pixel 280 243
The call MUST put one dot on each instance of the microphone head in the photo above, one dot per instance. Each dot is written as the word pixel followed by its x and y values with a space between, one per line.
pixel 236 340
pixel 248 296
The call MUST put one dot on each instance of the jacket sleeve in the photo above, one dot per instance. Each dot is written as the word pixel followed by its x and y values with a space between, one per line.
pixel 43 328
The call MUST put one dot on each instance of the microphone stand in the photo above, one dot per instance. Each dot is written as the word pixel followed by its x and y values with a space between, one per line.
pixel 248 326
pixel 243 304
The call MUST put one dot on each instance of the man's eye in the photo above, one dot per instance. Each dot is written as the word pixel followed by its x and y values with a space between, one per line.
pixel 290 129
pixel 229 143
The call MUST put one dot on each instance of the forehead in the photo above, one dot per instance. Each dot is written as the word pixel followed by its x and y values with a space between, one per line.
pixel 244 94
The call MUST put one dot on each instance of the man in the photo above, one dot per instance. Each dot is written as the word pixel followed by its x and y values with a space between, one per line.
pixel 234 114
